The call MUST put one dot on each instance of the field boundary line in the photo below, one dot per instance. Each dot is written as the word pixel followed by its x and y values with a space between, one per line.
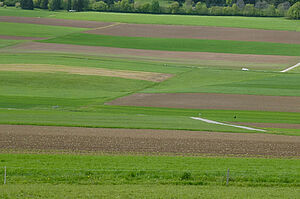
pixel 103 27
pixel 232 125
pixel 290 68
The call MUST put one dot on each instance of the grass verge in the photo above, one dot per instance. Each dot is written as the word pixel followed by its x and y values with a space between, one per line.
pixel 176 170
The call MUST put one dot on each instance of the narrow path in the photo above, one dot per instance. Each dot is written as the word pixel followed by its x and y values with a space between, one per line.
pixel 220 123
pixel 290 68
pixel 108 26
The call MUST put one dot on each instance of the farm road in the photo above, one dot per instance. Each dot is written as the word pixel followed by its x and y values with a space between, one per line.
pixel 75 139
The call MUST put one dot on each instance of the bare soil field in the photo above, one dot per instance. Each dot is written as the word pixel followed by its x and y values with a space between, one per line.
pixel 54 22
pixel 195 56
pixel 211 101
pixel 148 76
pixel 199 32
pixel 75 139
pixel 21 38
pixel 270 125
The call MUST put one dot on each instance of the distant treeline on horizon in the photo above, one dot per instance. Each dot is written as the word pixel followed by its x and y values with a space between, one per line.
pixel 264 8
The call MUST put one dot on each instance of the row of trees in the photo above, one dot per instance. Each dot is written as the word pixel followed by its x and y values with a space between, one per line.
pixel 196 7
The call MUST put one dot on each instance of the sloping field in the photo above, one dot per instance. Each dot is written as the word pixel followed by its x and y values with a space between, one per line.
pixel 149 76
pixel 96 50
pixel 9 37
pixel 211 101
pixel 179 44
pixel 53 22
pixel 199 32
pixel 72 139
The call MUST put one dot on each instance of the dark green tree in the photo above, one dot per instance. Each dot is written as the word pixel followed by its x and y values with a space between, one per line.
pixel 155 8
pixel 54 5
pixel 294 11
pixel 26 4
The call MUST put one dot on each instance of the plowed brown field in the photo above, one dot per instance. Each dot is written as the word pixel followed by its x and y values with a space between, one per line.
pixel 211 101
pixel 195 56
pixel 199 32
pixel 74 139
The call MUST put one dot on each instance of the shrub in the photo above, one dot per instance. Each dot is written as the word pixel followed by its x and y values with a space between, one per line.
pixel 44 4
pixel 186 176
pixel 249 10
pixel 283 8
pixel 155 7
pixel 10 2
pixel 270 11
pixel 1 4
pixel 174 7
pixel 201 8
pixel 294 11
pixel 100 6
pixel 216 10
pixel 37 3
pixel 26 4
pixel 17 5
pixel 240 4
pixel 54 5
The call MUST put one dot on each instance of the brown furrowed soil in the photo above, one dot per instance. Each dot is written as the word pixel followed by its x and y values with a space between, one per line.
pixel 148 76
pixel 195 56
pixel 75 139
pixel 211 101
pixel 20 37
pixel 54 22
pixel 200 32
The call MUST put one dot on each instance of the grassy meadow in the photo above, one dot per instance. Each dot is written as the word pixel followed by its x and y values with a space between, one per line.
pixel 207 80
pixel 34 30
pixel 175 44
pixel 5 43
pixel 267 23
pixel 148 170
pixel 64 99
pixel 144 191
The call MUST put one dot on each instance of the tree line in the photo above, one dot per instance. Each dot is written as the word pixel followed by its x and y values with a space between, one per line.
pixel 268 8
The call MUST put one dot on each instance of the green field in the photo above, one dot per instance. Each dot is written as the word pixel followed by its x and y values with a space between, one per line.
pixel 147 118
pixel 131 64
pixel 176 170
pixel 77 100
pixel 174 44
pixel 5 43
pixel 144 191
pixel 267 23
pixel 231 82
pixel 52 98
pixel 34 30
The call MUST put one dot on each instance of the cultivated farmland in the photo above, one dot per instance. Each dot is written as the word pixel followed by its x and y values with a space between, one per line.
pixel 104 105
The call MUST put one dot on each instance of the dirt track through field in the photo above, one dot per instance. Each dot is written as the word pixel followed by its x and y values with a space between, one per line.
pixel 96 50
pixel 72 139
pixel 211 101
pixel 200 32
pixel 148 76
pixel 54 22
